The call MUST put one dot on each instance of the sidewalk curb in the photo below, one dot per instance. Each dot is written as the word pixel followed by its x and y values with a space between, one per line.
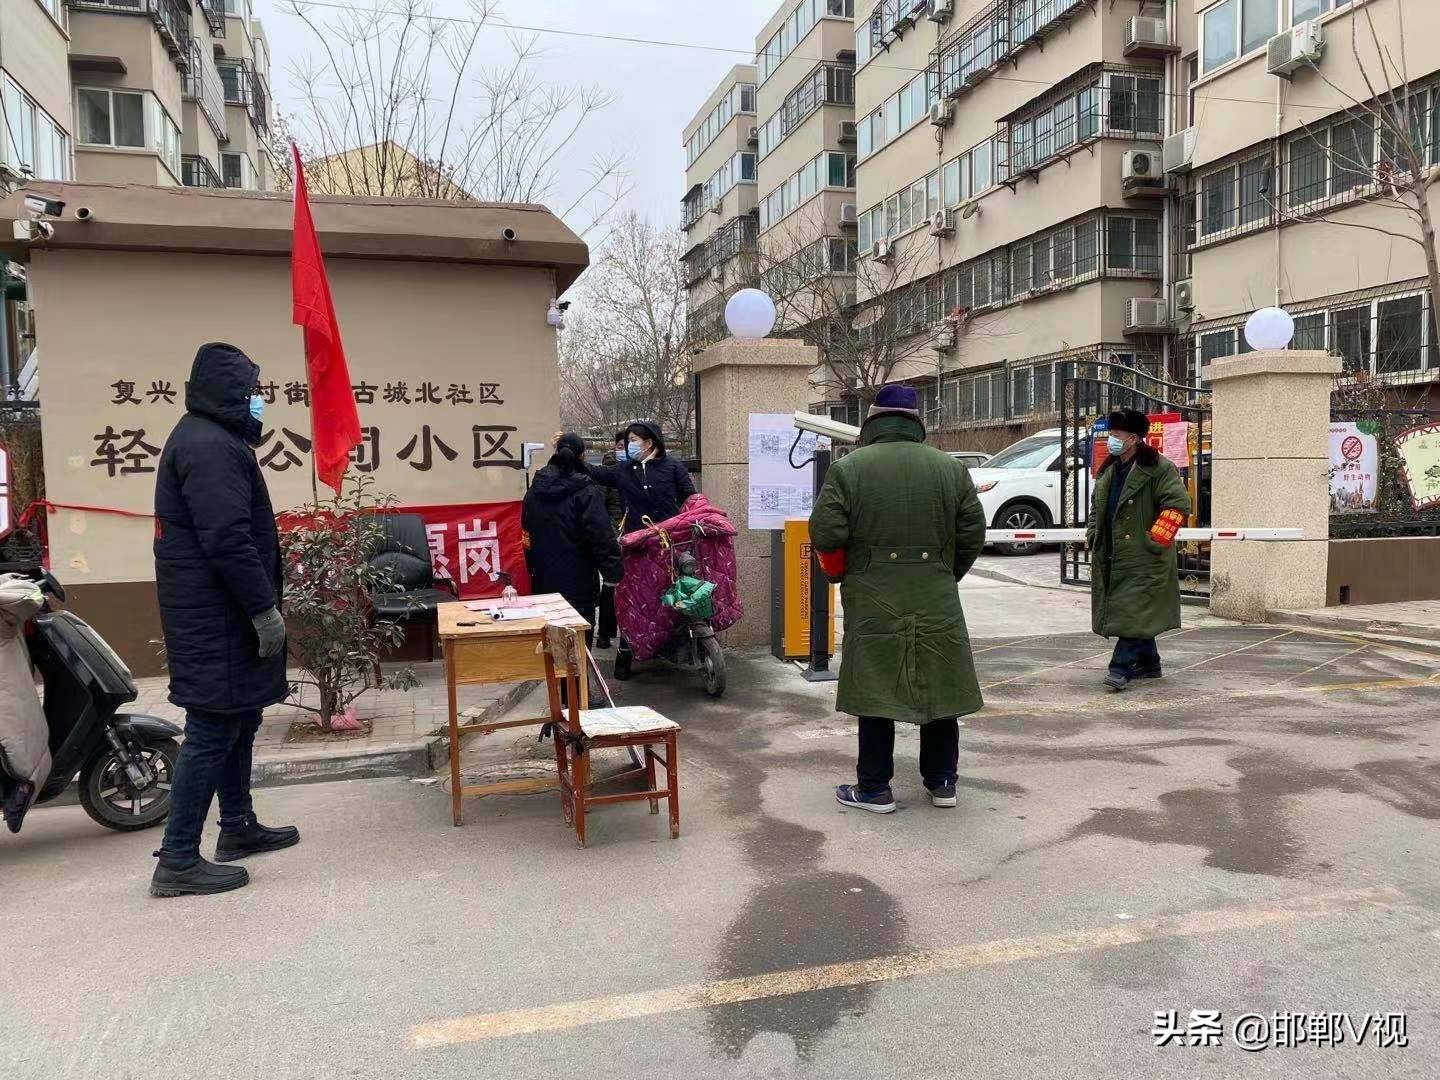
pixel 1410 636
pixel 417 758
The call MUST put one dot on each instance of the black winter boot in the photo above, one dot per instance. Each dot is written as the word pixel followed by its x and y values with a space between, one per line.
pixel 251 838
pixel 200 878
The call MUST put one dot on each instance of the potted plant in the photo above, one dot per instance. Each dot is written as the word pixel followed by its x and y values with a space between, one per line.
pixel 333 636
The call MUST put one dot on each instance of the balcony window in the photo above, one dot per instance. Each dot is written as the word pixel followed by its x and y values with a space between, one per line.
pixel 233 82
pixel 1133 244
pixel 31 139
pixel 235 171
pixel 111 117
pixel 1220 35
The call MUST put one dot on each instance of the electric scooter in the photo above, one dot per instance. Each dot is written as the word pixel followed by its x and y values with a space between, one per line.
pixel 125 761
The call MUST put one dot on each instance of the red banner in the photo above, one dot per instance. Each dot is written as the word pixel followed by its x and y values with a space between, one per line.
pixel 474 544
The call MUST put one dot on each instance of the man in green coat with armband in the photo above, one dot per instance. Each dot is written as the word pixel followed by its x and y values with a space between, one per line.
pixel 1137 507
pixel 898 524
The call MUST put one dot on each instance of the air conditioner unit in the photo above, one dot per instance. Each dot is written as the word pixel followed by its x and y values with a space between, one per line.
pixel 1179 152
pixel 1146 36
pixel 1141 167
pixel 754 137
pixel 847 132
pixel 1301 45
pixel 717 274
pixel 941 113
pixel 940 11
pixel 942 223
pixel 1184 296
pixel 1144 315
pixel 881 251
pixel 944 339
pixel 847 214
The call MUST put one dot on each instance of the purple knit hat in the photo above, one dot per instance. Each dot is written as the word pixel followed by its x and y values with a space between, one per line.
pixel 896 399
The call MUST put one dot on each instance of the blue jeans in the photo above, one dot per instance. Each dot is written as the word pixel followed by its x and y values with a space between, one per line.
pixel 1133 656
pixel 214 759
pixel 939 753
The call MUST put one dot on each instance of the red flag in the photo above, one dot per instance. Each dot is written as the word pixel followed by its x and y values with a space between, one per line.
pixel 334 420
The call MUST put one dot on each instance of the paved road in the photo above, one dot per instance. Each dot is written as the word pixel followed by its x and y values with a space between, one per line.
pixel 1255 834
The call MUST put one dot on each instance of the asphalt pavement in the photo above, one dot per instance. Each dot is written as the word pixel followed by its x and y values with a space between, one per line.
pixel 1255 834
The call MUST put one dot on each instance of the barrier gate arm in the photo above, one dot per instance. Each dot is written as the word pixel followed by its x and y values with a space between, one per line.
pixel 1073 536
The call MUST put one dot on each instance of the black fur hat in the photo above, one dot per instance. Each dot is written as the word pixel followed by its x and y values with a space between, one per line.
pixel 1131 421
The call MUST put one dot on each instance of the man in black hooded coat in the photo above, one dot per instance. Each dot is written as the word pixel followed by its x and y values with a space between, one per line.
pixel 219 580
pixel 570 544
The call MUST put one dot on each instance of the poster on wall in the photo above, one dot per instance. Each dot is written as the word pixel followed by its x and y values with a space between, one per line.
pixel 1354 469
pixel 1419 450
pixel 776 489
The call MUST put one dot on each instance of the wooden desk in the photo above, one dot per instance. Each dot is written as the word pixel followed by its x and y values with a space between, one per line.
pixel 478 650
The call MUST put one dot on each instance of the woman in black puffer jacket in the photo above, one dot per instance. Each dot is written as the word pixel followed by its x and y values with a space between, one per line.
pixel 652 483
pixel 569 542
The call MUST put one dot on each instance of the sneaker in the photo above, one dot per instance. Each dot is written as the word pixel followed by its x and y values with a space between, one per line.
pixel 200 878
pixel 851 795
pixel 1115 682
pixel 251 838
pixel 1150 673
pixel 944 795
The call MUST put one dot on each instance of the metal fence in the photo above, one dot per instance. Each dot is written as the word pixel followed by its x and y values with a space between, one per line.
pixel 1087 397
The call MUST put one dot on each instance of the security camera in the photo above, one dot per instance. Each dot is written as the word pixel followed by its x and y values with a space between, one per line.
pixel 508 234
pixel 84 213
pixel 33 232
pixel 40 206
pixel 823 425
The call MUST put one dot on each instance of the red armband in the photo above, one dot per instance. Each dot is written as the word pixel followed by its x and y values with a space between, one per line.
pixel 832 563
pixel 1166 526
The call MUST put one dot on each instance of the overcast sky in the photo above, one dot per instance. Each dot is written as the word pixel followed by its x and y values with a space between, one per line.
pixel 655 90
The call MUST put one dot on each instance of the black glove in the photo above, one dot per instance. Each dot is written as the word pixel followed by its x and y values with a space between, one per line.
pixel 270 628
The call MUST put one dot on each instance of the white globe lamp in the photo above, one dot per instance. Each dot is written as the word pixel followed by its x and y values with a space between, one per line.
pixel 1269 328
pixel 750 314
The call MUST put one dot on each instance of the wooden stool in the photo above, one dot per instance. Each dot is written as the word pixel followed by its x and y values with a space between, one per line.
pixel 578 731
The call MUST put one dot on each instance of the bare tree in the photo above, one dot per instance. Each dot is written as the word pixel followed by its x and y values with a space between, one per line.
pixel 624 354
pixel 402 101
pixel 867 316
pixel 1393 109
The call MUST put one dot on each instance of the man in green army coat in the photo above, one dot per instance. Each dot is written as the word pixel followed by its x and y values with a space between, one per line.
pixel 898 523
pixel 1138 504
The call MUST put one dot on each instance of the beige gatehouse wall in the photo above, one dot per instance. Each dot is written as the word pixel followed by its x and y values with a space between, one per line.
pixel 444 321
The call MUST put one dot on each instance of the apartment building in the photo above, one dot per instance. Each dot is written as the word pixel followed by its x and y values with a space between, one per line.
pixel 1294 140
pixel 164 92
pixel 998 145
pixel 718 210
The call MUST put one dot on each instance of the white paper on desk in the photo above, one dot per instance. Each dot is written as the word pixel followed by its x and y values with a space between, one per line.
pixel 509 614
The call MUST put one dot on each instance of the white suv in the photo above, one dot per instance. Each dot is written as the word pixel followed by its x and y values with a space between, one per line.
pixel 1020 487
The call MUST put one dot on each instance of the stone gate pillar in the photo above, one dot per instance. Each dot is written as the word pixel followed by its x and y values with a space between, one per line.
pixel 1271 469
pixel 738 378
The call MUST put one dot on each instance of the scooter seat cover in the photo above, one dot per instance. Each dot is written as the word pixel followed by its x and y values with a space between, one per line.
pixel 704 531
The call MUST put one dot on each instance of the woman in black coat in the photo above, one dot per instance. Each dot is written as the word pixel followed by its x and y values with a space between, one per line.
pixel 569 542
pixel 651 483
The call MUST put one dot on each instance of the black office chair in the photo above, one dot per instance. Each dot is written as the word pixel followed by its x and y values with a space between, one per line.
pixel 404 551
